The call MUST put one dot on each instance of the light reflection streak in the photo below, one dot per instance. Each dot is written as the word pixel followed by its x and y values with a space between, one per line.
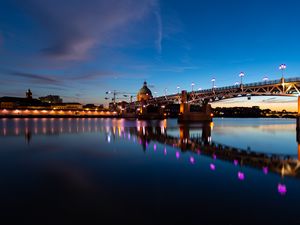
pixel 177 154
pixel 212 166
pixel 235 162
pixel 192 160
pixel 282 190
pixel 241 175
pixel 265 170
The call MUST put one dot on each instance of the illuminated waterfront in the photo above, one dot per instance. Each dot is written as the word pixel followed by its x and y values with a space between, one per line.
pixel 129 171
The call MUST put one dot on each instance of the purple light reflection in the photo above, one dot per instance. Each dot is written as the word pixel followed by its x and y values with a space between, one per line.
pixel 212 166
pixel 165 151
pixel 177 155
pixel 235 162
pixel 281 189
pixel 154 147
pixel 265 170
pixel 241 175
pixel 192 160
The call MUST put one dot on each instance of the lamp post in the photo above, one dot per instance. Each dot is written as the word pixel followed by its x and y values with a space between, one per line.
pixel 192 84
pixel 241 75
pixel 213 82
pixel 282 67
pixel 178 90
pixel 265 79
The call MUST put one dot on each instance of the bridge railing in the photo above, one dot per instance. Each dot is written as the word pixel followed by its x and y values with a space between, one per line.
pixel 287 80
pixel 271 82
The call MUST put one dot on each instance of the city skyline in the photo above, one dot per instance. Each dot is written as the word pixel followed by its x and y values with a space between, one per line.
pixel 80 52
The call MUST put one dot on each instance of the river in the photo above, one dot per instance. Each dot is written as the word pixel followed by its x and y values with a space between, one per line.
pixel 117 171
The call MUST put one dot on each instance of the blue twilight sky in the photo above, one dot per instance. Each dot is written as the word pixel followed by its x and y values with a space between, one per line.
pixel 80 49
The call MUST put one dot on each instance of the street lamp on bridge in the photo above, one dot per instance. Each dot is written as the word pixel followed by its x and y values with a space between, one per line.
pixel 241 75
pixel 265 79
pixel 192 84
pixel 236 83
pixel 213 80
pixel 282 67
pixel 178 90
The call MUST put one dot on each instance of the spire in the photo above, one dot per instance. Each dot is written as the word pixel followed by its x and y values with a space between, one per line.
pixel 29 94
pixel 145 84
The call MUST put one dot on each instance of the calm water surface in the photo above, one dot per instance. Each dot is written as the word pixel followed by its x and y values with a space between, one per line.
pixel 116 171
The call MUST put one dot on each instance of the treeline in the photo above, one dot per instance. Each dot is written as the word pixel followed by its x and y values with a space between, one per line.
pixel 253 112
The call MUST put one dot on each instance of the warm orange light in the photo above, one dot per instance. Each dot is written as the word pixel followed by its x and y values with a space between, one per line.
pixel 211 114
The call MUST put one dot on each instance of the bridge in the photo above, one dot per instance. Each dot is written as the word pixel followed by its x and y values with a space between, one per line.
pixel 188 100
pixel 281 87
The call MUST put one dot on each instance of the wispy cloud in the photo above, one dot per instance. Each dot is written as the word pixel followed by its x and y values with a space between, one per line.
pixel 164 68
pixel 95 75
pixel 159 31
pixel 37 78
pixel 75 27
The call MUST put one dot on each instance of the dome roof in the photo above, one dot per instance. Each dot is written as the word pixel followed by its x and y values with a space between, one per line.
pixel 145 90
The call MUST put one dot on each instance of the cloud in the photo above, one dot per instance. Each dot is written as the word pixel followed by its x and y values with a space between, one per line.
pixel 74 27
pixel 163 68
pixel 177 69
pixel 37 78
pixel 159 31
pixel 95 75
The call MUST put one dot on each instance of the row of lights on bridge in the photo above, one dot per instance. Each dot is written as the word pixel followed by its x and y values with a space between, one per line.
pixel 282 67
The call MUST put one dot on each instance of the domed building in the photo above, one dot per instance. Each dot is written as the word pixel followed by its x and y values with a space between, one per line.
pixel 144 93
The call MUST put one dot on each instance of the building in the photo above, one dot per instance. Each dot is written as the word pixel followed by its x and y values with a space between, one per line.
pixel 28 94
pixel 52 99
pixel 144 93
pixel 67 106
pixel 22 103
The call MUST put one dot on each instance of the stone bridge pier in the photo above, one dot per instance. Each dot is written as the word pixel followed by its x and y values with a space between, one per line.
pixel 191 112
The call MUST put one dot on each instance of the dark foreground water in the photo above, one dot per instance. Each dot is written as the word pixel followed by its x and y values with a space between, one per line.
pixel 113 171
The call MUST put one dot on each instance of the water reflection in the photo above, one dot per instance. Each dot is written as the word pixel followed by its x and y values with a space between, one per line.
pixel 145 166
pixel 195 138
